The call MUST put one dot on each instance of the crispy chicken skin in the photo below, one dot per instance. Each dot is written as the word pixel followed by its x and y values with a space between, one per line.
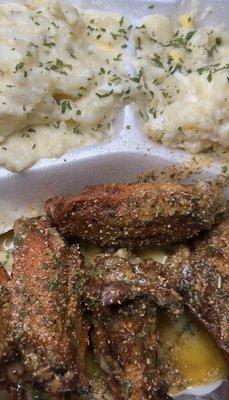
pixel 206 283
pixel 123 294
pixel 125 344
pixel 137 214
pixel 201 274
pixel 5 312
pixel 213 248
pixel 117 277
pixel 48 326
pixel 4 277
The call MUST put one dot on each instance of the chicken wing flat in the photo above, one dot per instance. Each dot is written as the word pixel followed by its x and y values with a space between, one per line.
pixel 5 311
pixel 206 283
pixel 125 344
pixel 137 214
pixel 117 277
pixel 48 326
pixel 201 274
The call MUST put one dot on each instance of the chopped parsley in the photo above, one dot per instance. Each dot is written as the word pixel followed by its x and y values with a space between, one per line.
pixel 118 57
pixel 224 169
pixel 101 96
pixel 65 105
pixel 121 21
pixel 49 44
pixel 138 77
pixel 19 66
pixel 209 76
pixel 56 124
pixel 127 388
pixel 77 130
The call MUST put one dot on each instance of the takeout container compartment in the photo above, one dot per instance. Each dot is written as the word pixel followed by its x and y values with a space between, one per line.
pixel 123 158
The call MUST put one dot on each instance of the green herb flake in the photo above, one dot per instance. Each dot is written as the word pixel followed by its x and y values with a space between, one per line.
pixel 118 58
pixel 121 21
pixel 17 241
pixel 138 77
pixel 127 389
pixel 153 112
pixel 19 66
pixel 49 44
pixel 56 124
pixel 209 76
pixel 77 130
pixel 45 266
pixel 52 285
pixel 101 96
pixel 189 35
pixel 224 169
pixel 65 105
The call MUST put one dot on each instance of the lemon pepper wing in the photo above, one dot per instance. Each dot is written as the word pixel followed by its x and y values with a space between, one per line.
pixel 205 283
pixel 125 344
pixel 137 214
pixel 118 277
pixel 200 273
pixel 48 326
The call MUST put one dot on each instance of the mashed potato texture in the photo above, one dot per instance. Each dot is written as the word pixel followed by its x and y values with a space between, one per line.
pixel 183 72
pixel 62 78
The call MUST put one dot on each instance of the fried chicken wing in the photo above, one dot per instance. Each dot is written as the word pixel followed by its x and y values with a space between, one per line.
pixel 48 326
pixel 125 344
pixel 201 274
pixel 123 294
pixel 117 277
pixel 213 248
pixel 5 316
pixel 137 214
pixel 206 283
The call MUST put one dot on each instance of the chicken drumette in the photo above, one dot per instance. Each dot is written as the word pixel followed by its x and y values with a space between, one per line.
pixel 120 276
pixel 46 322
pixel 137 214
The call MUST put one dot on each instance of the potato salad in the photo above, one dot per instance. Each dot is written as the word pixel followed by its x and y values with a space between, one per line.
pixel 183 77
pixel 66 74
pixel 62 79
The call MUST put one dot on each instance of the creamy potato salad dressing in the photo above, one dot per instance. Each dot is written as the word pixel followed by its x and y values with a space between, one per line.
pixel 183 74
pixel 62 78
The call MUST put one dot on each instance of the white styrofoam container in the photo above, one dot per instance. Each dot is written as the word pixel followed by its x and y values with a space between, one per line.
pixel 123 158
